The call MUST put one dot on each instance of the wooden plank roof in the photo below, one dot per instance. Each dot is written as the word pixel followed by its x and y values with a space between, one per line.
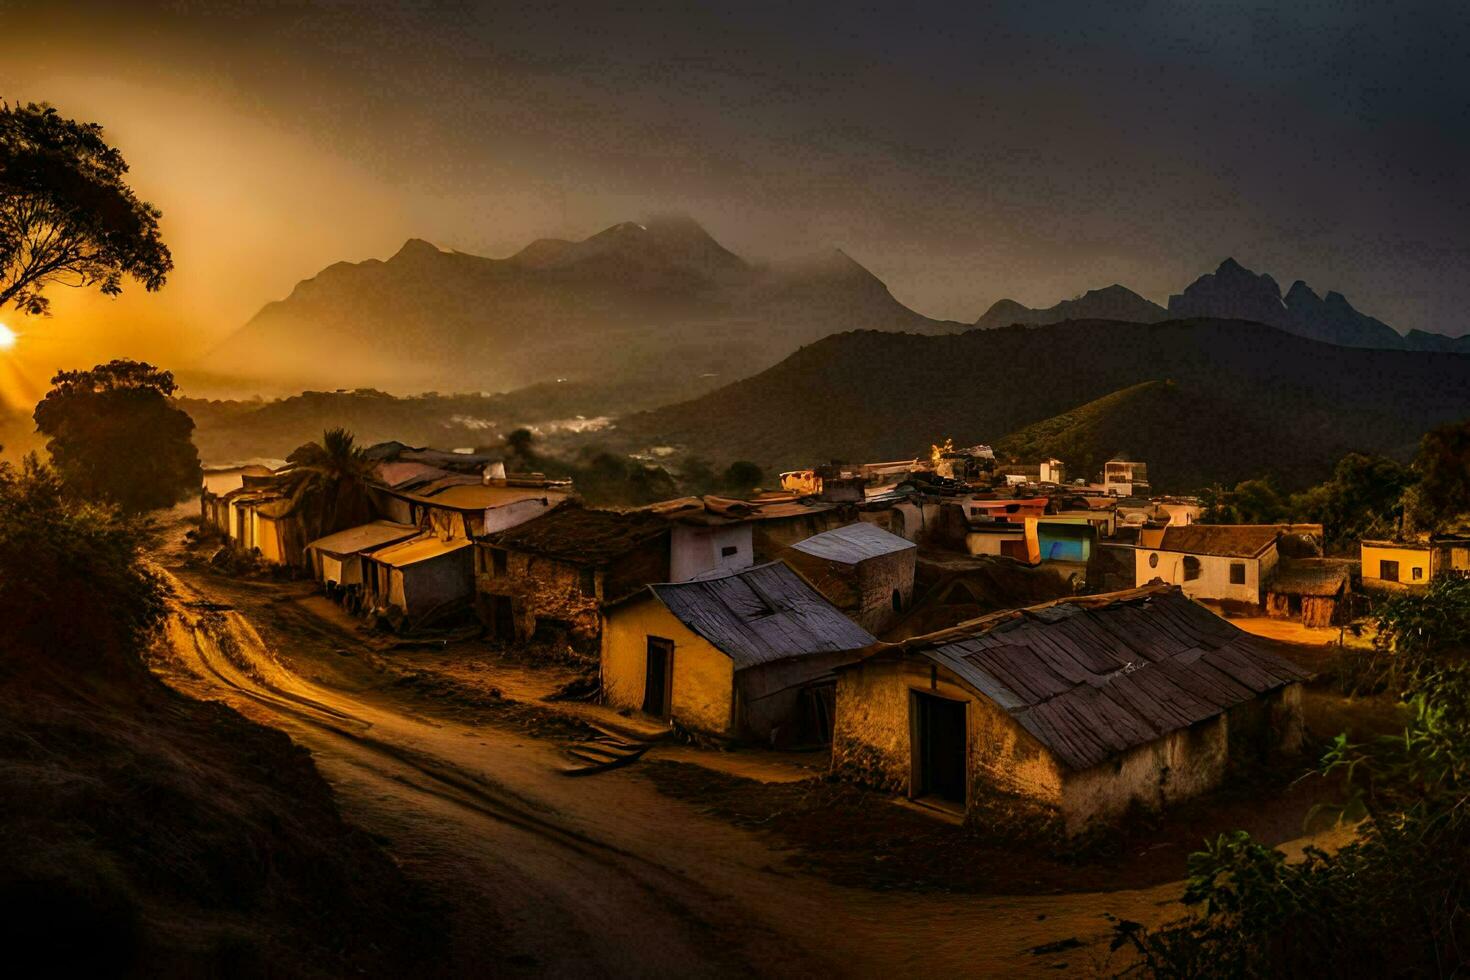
pixel 1095 676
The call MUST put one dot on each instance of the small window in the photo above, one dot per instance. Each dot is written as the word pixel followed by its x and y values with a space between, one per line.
pixel 1191 568
pixel 1153 560
pixel 1237 573
pixel 589 581
pixel 1388 570
pixel 1417 573
pixel 498 560
pixel 729 551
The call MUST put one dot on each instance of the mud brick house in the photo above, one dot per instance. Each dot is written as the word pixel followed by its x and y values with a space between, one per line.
pixel 1066 714
pixel 1316 591
pixel 861 569
pixel 745 655
pixel 550 575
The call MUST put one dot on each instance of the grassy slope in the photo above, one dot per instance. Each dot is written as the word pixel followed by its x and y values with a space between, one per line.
pixel 1253 399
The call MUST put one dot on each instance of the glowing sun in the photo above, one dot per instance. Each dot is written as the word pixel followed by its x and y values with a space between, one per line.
pixel 7 337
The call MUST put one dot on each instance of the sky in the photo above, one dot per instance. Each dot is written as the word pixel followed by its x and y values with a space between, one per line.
pixel 963 153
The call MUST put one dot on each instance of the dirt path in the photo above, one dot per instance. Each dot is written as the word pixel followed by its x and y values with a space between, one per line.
pixel 548 875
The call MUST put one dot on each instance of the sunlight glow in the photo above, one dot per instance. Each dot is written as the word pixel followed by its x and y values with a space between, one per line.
pixel 7 337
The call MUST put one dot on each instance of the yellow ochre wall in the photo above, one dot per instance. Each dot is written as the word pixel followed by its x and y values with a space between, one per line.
pixel 703 688
pixel 1408 559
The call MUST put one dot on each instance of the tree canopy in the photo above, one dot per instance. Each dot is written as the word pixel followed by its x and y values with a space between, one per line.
pixel 328 482
pixel 67 214
pixel 114 436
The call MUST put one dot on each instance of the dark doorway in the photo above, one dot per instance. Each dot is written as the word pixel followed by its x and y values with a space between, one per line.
pixel 941 747
pixel 659 676
pixel 502 617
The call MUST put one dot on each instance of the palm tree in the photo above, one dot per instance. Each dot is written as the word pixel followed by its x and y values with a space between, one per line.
pixel 328 482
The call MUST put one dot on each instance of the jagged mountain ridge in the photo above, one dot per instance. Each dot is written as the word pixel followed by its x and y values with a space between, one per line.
pixel 1237 293
pixel 1272 402
pixel 635 300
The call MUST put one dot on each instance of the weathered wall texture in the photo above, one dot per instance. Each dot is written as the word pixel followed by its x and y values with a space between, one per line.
pixel 1214 579
pixel 694 550
pixel 424 586
pixel 549 589
pixel 702 690
pixel 1014 781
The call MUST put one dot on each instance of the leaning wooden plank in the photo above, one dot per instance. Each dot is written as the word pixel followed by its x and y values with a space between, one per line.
pixel 593 770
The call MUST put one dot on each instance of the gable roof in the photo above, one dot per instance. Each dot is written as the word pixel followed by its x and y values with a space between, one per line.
pixel 762 614
pixel 363 538
pixel 1220 540
pixel 1092 677
pixel 582 535
pixel 853 543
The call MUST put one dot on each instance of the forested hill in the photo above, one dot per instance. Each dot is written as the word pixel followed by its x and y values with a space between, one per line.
pixel 1258 400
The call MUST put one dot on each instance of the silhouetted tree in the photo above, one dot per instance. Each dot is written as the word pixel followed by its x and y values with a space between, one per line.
pixel 328 482
pixel 743 475
pixel 66 214
pixel 1442 496
pixel 115 437
pixel 1363 498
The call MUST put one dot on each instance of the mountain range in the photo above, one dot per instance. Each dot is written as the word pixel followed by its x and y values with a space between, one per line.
pixel 1236 293
pixel 649 301
pixel 1242 399
pixel 637 300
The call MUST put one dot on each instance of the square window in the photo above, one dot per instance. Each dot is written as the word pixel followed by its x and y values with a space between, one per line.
pixel 1237 573
pixel 729 551
pixel 1388 570
pixel 1191 568
pixel 1417 574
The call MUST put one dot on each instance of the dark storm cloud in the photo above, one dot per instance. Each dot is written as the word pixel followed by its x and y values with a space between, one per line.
pixel 963 152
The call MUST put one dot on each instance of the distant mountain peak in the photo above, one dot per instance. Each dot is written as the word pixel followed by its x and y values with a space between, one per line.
pixel 1115 302
pixel 416 248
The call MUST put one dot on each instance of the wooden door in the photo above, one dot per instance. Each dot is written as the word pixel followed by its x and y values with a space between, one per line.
pixel 659 677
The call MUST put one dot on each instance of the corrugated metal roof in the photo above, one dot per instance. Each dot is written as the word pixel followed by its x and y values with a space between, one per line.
pixel 418 549
pixel 762 614
pixel 853 543
pixel 1093 677
pixel 355 540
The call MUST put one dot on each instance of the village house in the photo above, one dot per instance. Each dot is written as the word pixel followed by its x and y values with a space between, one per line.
pixel 1124 477
pixel 702 541
pixel 1405 565
pixel 775 522
pixel 1067 714
pixel 418 580
pixel 744 655
pixel 861 569
pixel 1225 563
pixel 217 483
pixel 337 559
pixel 1315 591
pixel 548 577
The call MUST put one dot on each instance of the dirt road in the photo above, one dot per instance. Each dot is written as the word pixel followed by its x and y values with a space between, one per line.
pixel 540 874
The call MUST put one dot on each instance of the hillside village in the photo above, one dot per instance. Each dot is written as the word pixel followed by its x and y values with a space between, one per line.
pixel 1010 643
